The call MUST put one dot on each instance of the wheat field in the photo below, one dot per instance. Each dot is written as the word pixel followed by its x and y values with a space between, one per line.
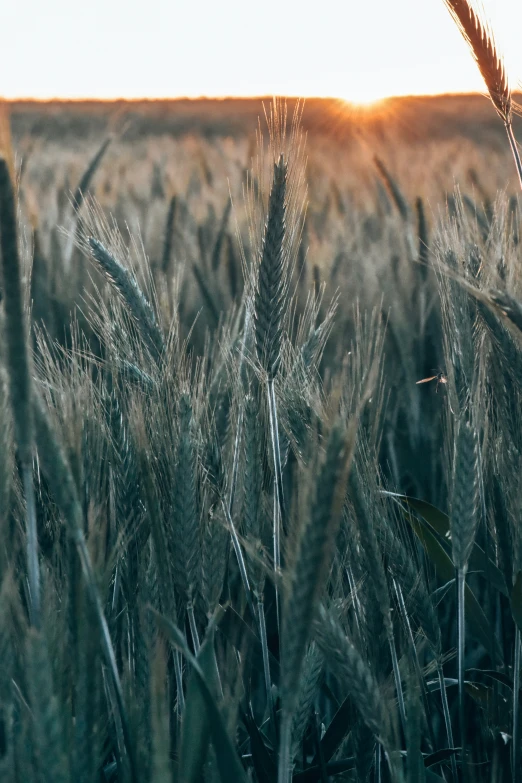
pixel 261 444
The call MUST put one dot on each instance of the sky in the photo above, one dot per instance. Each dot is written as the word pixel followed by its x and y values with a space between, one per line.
pixel 357 50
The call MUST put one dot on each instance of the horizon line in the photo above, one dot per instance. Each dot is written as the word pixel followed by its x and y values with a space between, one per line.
pixel 209 98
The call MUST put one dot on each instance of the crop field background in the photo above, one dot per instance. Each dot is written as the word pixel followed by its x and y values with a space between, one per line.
pixel 174 178
pixel 239 540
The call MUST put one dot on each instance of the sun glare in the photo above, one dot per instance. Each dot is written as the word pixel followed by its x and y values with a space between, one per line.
pixel 365 111
pixel 368 105
pixel 366 98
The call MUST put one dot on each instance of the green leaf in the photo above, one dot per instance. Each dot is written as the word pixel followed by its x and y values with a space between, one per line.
pixel 195 731
pixel 477 620
pixel 439 521
pixel 229 766
pixel 516 601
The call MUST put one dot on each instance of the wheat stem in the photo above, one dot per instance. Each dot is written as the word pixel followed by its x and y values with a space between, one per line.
pixel 447 717
pixel 239 555
pixel 33 567
pixel 235 463
pixel 418 670
pixel 514 150
pixel 284 770
pixel 178 673
pixel 461 636
pixel 19 377
pixel 278 478
pixel 266 659
pixel 193 627
pixel 378 763
pixel 517 738
pixel 397 678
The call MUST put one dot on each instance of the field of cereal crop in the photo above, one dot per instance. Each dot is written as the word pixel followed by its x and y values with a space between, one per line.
pixel 240 540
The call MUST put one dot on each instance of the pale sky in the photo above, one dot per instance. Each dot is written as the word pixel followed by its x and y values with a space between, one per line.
pixel 359 50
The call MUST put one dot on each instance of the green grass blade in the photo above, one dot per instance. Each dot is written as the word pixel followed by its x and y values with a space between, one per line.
pixel 195 732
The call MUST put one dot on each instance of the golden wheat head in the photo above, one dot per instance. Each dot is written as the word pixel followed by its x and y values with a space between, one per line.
pixel 482 44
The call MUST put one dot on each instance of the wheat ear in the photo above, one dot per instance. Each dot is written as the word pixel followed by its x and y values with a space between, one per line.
pixel 353 673
pixel 270 296
pixel 133 297
pixel 269 309
pixel 482 44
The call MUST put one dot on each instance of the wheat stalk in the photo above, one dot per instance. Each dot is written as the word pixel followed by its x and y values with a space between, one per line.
pixel 184 518
pixel 463 523
pixel 309 574
pixel 269 311
pixel 19 375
